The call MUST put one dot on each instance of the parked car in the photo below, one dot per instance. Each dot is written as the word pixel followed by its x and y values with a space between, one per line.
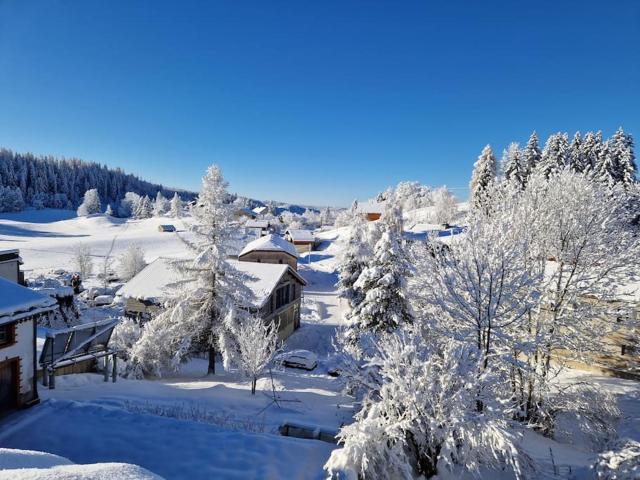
pixel 166 228
pixel 298 359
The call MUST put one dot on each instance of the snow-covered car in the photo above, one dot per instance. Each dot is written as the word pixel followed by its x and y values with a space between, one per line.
pixel 298 359
pixel 103 300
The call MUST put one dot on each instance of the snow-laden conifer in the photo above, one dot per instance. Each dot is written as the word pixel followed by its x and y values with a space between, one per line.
pixel 484 174
pixel 91 203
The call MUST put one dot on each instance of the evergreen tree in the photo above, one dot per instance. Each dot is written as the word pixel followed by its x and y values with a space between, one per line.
pixel 513 165
pixel 576 154
pixel 109 210
pixel 144 208
pixel 160 206
pixel 353 260
pixel 592 149
pixel 554 155
pixel 531 155
pixel 619 164
pixel 176 206
pixel 484 174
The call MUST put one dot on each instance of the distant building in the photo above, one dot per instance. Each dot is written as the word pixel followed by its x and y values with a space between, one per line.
pixel 371 210
pixel 244 212
pixel 259 228
pixel 10 262
pixel 276 288
pixel 166 228
pixel 270 249
pixel 302 240
pixel 260 210
pixel 20 308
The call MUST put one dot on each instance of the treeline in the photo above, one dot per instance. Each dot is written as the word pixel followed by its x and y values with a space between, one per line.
pixel 27 180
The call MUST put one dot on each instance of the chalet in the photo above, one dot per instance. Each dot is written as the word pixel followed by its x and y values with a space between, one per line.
pixel 20 308
pixel 276 288
pixel 302 240
pixel 371 210
pixel 10 262
pixel 270 249
pixel 259 228
pixel 244 213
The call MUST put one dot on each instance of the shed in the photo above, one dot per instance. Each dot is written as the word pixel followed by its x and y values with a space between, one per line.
pixel 20 307
pixel 166 228
pixel 371 210
pixel 258 227
pixel 260 210
pixel 270 249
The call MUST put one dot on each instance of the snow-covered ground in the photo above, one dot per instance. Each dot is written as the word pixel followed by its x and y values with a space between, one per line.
pixel 189 425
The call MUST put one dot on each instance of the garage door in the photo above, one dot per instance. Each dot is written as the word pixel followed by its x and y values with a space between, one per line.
pixel 8 385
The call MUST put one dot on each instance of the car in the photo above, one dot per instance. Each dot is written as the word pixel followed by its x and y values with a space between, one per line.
pixel 298 359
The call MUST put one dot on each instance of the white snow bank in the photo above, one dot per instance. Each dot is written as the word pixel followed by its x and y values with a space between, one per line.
pixel 31 465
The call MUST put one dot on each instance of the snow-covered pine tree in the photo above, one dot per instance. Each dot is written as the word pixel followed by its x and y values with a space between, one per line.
pixel 353 259
pixel 513 165
pixel 484 174
pixel 109 211
pixel 144 208
pixel 176 206
pixel 575 156
pixel 619 164
pixel 383 284
pixel 91 203
pixel 554 155
pixel 591 152
pixel 445 206
pixel 201 314
pixel 531 154
pixel 160 206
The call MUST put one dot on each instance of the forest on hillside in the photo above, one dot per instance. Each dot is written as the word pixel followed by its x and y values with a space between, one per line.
pixel 27 180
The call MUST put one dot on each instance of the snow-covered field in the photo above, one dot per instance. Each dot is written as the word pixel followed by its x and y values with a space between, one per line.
pixel 189 425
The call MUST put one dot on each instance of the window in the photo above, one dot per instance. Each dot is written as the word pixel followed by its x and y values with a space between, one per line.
pixel 7 334
pixel 282 296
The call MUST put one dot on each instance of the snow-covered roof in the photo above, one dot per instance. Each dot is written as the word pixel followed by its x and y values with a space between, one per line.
pixel 257 224
pixel 371 207
pixel 152 283
pixel 17 302
pixel 301 235
pixel 269 243
pixel 260 210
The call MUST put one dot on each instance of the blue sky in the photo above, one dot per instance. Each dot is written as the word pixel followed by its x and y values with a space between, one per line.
pixel 310 102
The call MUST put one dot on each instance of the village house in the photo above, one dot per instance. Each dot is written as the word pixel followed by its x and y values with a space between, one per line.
pixel 270 249
pixel 276 288
pixel 10 262
pixel 244 212
pixel 260 210
pixel 371 210
pixel 302 240
pixel 258 228
pixel 20 308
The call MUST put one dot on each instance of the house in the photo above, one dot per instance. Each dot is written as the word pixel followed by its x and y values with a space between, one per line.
pixel 270 249
pixel 260 210
pixel 166 228
pixel 20 308
pixel 276 288
pixel 244 212
pixel 259 228
pixel 302 240
pixel 371 210
pixel 10 262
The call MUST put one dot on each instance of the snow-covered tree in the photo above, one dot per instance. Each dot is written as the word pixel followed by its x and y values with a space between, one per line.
pixel 353 259
pixel 176 206
pixel 82 260
pixel 531 154
pixel 555 154
pixel 160 206
pixel 591 151
pixel 484 174
pixel 129 204
pixel 514 165
pixel 621 461
pixel 257 343
pixel 91 203
pixel 445 206
pixel 383 285
pixel 206 290
pixel 618 164
pixel 131 262
pixel 575 156
pixel 409 195
pixel 11 199
pixel 423 419
pixel 144 208
pixel 109 211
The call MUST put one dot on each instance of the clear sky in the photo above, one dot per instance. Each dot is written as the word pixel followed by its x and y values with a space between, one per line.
pixel 310 102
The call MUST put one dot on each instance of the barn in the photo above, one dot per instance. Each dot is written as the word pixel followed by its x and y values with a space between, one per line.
pixel 302 240
pixel 270 249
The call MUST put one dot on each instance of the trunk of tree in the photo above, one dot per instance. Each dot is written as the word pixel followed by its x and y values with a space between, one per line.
pixel 253 386
pixel 212 360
